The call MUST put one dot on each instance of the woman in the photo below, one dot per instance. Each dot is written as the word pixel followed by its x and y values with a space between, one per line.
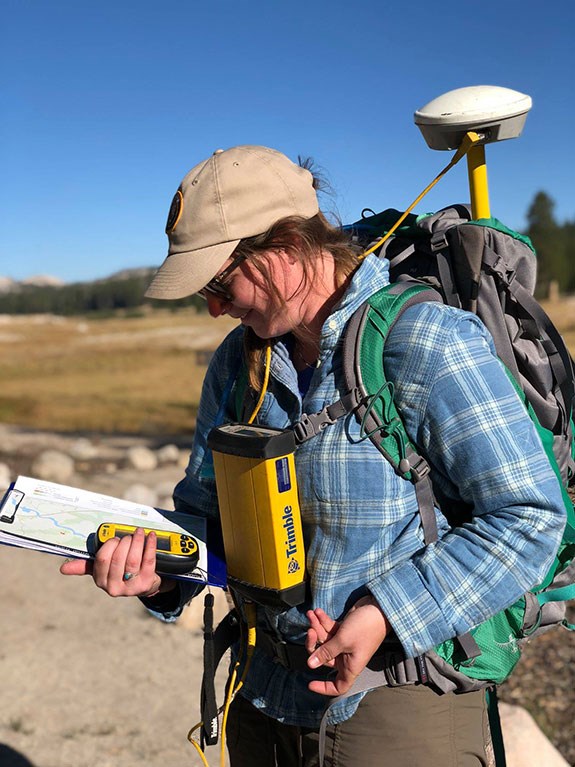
pixel 245 231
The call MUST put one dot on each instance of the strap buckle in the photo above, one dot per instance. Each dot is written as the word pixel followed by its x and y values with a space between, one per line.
pixel 438 242
pixel 419 470
pixel 501 269
pixel 311 425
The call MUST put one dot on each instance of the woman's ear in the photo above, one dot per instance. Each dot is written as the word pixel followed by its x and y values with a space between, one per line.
pixel 288 255
pixel 290 252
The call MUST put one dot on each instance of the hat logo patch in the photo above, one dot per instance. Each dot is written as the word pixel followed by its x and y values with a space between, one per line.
pixel 175 213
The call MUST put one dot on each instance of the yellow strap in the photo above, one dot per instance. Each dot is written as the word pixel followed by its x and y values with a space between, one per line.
pixel 250 611
pixel 470 139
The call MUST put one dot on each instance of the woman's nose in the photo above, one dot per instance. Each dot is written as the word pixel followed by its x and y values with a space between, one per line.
pixel 216 306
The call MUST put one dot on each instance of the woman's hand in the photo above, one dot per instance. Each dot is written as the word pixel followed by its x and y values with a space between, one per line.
pixel 124 567
pixel 346 646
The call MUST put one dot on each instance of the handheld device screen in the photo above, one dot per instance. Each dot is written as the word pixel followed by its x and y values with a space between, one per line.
pixel 162 541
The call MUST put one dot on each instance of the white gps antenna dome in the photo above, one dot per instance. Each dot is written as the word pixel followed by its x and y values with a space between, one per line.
pixel 494 112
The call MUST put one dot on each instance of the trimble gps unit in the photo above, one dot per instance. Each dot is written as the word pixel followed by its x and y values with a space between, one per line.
pixel 259 511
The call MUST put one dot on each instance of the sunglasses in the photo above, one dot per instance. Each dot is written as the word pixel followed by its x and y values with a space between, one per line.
pixel 217 286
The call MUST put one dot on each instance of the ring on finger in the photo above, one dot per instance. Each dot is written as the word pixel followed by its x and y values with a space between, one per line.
pixel 129 576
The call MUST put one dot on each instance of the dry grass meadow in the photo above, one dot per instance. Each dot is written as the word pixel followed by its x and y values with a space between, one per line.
pixel 124 374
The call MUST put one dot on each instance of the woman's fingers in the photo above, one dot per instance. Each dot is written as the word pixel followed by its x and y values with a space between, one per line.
pixel 130 565
pixel 148 562
pixel 322 627
pixel 103 562
pixel 123 567
pixel 77 567
pixel 126 566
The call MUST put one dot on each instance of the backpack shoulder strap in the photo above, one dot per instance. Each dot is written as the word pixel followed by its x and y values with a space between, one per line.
pixel 364 372
pixel 374 406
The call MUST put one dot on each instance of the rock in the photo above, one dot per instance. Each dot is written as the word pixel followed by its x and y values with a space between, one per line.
pixel 168 454
pixel 525 744
pixel 165 488
pixel 5 476
pixel 141 458
pixel 141 494
pixel 54 466
pixel 82 449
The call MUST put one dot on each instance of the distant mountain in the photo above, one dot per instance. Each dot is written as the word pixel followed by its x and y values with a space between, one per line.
pixel 8 285
pixel 43 280
pixel 146 272
pixel 43 294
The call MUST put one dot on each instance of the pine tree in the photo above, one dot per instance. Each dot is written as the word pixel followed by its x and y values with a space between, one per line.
pixel 549 242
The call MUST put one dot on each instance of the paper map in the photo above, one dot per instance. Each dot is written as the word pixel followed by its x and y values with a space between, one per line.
pixel 59 519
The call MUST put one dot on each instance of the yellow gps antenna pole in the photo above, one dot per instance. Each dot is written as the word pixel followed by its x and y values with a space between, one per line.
pixel 487 112
pixel 478 188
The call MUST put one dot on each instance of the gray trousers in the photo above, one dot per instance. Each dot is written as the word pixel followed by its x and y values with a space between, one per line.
pixel 409 726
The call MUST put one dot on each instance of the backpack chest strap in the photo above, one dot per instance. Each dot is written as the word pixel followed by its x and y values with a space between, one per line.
pixel 310 425
pixel 412 466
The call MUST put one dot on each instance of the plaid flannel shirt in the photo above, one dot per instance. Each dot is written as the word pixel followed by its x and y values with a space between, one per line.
pixel 361 525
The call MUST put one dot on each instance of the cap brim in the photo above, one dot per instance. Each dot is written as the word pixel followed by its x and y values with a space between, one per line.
pixel 183 274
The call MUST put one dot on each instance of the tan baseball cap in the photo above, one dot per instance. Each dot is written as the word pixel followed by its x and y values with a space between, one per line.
pixel 236 193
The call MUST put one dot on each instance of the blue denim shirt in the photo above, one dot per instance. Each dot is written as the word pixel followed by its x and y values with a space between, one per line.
pixel 361 525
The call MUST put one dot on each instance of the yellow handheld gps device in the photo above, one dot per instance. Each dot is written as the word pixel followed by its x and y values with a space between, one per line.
pixel 175 553
pixel 259 512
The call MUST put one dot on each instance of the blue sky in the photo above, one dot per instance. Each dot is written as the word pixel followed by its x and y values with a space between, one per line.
pixel 106 105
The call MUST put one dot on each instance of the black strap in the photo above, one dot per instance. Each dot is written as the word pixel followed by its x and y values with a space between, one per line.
pixel 425 502
pixel 440 248
pixel 215 645
pixel 210 726
pixel 288 654
pixel 495 726
pixel 419 470
pixel 398 258
pixel 468 645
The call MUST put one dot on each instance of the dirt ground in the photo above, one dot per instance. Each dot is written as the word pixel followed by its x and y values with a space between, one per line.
pixel 88 680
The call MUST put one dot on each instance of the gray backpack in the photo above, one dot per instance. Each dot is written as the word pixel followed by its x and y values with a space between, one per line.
pixel 490 270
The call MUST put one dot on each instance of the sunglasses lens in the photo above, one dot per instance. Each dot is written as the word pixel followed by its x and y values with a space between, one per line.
pixel 215 287
pixel 216 290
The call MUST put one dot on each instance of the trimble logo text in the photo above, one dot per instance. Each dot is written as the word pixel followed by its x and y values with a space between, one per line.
pixel 288 525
